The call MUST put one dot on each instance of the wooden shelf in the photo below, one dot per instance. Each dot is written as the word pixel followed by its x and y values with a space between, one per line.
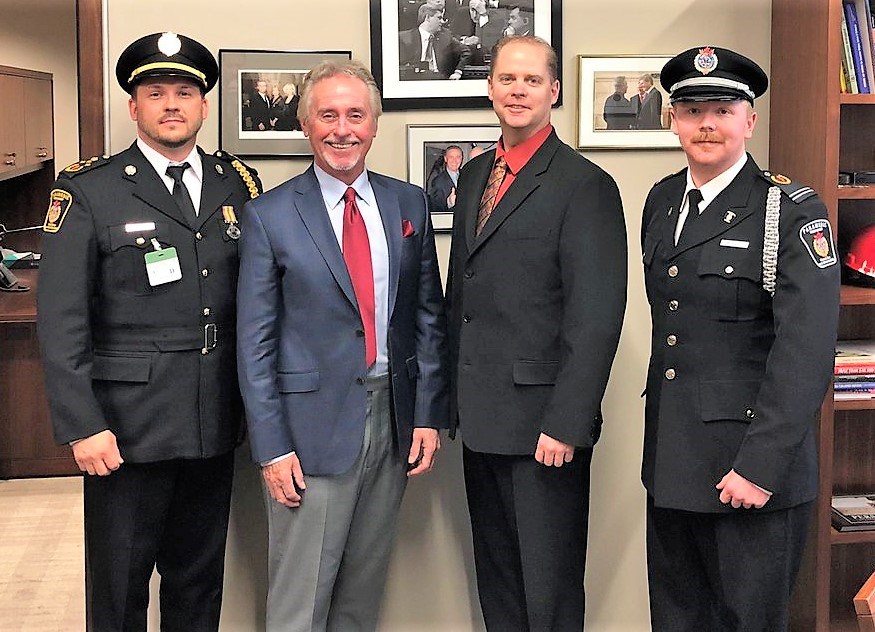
pixel 857 99
pixel 853 192
pixel 851 537
pixel 854 404
pixel 855 295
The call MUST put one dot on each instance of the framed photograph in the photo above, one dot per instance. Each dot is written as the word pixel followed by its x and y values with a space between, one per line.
pixel 258 101
pixel 448 69
pixel 622 104
pixel 434 150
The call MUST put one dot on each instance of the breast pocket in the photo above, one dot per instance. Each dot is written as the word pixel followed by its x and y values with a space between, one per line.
pixel 731 281
pixel 128 245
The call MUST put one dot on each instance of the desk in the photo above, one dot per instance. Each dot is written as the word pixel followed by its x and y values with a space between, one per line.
pixel 27 447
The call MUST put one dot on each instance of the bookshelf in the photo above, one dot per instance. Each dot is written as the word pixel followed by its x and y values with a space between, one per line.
pixel 815 132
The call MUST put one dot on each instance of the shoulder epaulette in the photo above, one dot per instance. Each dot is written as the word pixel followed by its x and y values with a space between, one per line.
pixel 86 164
pixel 793 190
pixel 247 173
pixel 670 176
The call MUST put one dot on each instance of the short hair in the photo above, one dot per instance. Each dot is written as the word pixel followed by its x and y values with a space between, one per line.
pixel 646 77
pixel 426 11
pixel 332 68
pixel 552 58
pixel 454 147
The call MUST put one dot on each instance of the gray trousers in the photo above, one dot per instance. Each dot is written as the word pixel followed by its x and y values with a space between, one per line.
pixel 328 558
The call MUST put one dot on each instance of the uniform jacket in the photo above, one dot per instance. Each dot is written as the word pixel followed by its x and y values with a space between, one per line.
pixel 119 353
pixel 450 54
pixel 302 349
pixel 535 302
pixel 736 375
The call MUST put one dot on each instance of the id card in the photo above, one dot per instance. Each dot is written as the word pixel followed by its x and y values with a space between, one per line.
pixel 162 266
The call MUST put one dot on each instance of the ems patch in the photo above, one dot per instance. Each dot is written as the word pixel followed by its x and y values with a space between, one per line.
pixel 59 204
pixel 817 237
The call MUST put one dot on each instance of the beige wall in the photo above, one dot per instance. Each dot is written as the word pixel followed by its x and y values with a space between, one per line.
pixel 41 35
pixel 430 588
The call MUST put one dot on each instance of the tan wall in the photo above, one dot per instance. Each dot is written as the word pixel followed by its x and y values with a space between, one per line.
pixel 431 581
pixel 41 35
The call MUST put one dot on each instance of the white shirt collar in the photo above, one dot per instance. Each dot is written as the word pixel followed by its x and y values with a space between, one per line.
pixel 160 162
pixel 333 189
pixel 715 186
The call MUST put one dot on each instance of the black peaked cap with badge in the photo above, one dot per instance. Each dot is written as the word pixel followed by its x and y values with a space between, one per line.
pixel 709 73
pixel 166 55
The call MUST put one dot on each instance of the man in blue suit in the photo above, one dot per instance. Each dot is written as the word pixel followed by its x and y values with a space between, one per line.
pixel 341 333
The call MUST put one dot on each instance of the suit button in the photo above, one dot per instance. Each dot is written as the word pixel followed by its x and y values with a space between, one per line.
pixel 468 274
pixel 198 236
pixel 205 273
pixel 671 340
pixel 141 241
pixel 206 311
pixel 749 413
pixel 672 271
pixel 729 269
pixel 673 305
pixel 360 333
pixel 466 318
pixel 670 374
pixel 359 380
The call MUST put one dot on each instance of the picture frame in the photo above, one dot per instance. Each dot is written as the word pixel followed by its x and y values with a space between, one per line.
pixel 426 145
pixel 409 84
pixel 605 120
pixel 256 125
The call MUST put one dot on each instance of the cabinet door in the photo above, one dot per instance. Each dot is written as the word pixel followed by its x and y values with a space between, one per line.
pixel 39 136
pixel 12 147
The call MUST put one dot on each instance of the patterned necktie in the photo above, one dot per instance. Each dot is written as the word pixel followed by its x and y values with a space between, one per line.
pixel 180 191
pixel 487 202
pixel 429 53
pixel 357 254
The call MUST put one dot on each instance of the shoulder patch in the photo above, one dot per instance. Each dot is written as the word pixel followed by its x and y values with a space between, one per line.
pixel 793 190
pixel 247 173
pixel 816 235
pixel 670 176
pixel 86 164
pixel 59 204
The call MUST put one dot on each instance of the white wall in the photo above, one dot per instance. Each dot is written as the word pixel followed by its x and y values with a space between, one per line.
pixel 431 584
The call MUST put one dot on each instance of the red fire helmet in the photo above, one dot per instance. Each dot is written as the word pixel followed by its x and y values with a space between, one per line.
pixel 861 255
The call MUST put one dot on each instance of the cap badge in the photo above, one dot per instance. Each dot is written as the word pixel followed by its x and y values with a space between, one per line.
pixel 169 44
pixel 706 61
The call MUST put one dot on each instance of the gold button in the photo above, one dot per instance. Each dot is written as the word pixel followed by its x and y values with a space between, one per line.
pixel 749 413
pixel 669 374
pixel 198 235
pixel 206 311
pixel 205 272
pixel 140 241
pixel 673 305
pixel 729 269
pixel 672 340
pixel 204 351
pixel 672 271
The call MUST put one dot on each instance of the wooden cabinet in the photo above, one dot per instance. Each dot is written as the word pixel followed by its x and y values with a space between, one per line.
pixel 26 130
pixel 815 132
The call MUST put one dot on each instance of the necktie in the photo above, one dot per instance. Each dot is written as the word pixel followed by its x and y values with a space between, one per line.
pixel 180 191
pixel 487 202
pixel 429 53
pixel 357 254
pixel 694 196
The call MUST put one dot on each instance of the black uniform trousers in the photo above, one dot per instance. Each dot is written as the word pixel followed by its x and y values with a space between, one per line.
pixel 173 514
pixel 529 523
pixel 722 572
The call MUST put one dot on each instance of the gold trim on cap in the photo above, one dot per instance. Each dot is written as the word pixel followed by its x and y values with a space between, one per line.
pixel 168 65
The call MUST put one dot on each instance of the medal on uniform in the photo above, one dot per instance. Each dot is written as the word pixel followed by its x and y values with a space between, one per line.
pixel 233 231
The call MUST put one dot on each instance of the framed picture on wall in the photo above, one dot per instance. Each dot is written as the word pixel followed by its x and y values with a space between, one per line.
pixel 622 104
pixel 431 149
pixel 258 101
pixel 462 32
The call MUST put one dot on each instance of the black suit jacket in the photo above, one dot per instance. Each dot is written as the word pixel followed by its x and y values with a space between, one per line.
pixel 259 110
pixel 119 353
pixel 535 302
pixel 740 380
pixel 650 111
pixel 450 54
pixel 438 191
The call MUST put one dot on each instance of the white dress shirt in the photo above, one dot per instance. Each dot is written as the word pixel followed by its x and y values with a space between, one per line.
pixel 192 178
pixel 709 191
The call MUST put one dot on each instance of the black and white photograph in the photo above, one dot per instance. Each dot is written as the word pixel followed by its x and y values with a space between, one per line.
pixel 258 100
pixel 435 155
pixel 622 103
pixel 434 54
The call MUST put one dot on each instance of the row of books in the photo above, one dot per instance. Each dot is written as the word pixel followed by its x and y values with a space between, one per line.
pixel 854 376
pixel 858 50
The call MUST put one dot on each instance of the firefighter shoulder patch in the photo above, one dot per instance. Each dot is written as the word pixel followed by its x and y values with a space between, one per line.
pixel 59 204
pixel 816 235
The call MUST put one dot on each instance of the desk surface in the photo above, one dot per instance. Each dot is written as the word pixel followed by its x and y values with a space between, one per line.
pixel 20 307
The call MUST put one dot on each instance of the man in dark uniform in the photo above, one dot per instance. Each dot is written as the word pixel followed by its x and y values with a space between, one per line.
pixel 741 276
pixel 136 324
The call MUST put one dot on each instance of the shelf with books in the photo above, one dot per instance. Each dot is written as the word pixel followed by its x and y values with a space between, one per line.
pixel 861 99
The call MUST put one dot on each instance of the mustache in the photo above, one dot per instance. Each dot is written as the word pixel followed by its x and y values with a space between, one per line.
pixel 707 138
pixel 171 117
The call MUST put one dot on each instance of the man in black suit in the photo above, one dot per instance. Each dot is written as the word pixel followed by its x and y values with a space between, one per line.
pixel 259 107
pixel 136 319
pixel 536 295
pixel 430 49
pixel 741 275
pixel 442 189
pixel 648 104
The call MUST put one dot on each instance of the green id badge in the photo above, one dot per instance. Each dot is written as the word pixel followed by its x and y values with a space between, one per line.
pixel 162 266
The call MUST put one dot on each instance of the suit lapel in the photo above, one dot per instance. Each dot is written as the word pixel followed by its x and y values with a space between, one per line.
pixel 310 205
pixel 671 208
pixel 390 213
pixel 214 189
pixel 148 185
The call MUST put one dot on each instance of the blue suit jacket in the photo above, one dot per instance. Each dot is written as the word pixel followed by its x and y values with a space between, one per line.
pixel 302 351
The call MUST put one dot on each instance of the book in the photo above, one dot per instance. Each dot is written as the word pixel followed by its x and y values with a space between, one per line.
pixel 864 25
pixel 857 48
pixel 855 386
pixel 853 513
pixel 852 369
pixel 854 377
pixel 843 396
pixel 846 56
pixel 855 352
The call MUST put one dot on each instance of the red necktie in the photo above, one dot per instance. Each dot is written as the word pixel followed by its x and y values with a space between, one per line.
pixel 357 254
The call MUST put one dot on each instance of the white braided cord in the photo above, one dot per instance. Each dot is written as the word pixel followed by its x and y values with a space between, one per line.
pixel 771 239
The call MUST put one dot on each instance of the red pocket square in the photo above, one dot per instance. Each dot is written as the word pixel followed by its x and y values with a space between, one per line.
pixel 406 228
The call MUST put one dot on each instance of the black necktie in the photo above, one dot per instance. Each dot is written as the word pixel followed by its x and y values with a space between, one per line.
pixel 694 197
pixel 180 191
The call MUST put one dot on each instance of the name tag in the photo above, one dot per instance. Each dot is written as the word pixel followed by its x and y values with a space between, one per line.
pixel 140 228
pixel 162 266
pixel 734 243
